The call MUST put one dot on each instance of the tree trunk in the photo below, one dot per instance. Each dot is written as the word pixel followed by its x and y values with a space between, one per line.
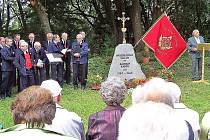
pixel 136 20
pixel 42 15
pixel 8 19
pixel 120 8
pixel 137 29
pixel 22 17
pixel 110 17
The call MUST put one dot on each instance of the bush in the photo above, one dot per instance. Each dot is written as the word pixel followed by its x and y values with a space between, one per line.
pixel 98 66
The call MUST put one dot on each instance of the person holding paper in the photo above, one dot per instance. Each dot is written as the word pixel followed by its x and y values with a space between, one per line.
pixel 41 59
pixel 66 44
pixel 47 45
pixel 195 54
pixel 57 67
pixel 79 60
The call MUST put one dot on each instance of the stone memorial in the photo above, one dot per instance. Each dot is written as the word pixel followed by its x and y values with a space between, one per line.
pixel 124 64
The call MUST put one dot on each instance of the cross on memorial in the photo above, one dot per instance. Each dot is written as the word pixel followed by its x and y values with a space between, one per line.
pixel 123 19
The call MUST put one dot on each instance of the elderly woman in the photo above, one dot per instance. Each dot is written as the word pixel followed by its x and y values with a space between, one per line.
pixel 33 111
pixel 104 124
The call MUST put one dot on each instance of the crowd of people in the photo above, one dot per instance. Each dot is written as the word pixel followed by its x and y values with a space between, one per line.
pixel 156 113
pixel 25 62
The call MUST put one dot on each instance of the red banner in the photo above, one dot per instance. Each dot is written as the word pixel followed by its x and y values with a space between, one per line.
pixel 165 41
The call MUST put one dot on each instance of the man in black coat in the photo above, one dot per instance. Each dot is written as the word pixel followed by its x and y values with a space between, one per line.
pixel 7 55
pixel 40 63
pixel 25 61
pixel 66 44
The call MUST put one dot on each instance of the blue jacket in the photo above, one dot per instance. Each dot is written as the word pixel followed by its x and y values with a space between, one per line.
pixel 51 48
pixel 20 61
pixel 7 56
pixel 193 44
pixel 83 52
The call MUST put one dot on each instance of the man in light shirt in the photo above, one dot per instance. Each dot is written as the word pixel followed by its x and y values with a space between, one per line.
pixel 65 122
pixel 183 111
pixel 195 54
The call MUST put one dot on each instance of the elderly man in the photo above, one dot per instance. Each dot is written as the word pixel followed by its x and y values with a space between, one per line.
pixel 66 44
pixel 25 61
pixel 184 112
pixel 103 125
pixel 65 122
pixel 47 45
pixel 7 68
pixel 40 63
pixel 159 91
pixel 33 111
pixel 152 121
pixel 195 54
pixel 84 39
pixel 154 90
pixel 205 127
pixel 79 60
pixel 31 41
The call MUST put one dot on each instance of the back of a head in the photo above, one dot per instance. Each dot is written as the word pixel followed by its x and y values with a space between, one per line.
pixel 33 106
pixel 175 91
pixel 53 86
pixel 151 121
pixel 155 90
pixel 138 95
pixel 113 91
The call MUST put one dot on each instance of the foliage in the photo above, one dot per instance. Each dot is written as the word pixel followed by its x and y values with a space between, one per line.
pixel 166 73
pixel 98 65
pixel 132 83
pixel 94 79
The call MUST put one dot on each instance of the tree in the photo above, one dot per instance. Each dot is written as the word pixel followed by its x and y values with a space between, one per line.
pixel 42 15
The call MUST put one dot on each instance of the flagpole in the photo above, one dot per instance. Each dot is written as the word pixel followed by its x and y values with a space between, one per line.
pixel 137 43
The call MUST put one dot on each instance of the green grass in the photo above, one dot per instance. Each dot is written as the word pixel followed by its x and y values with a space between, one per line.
pixel 84 103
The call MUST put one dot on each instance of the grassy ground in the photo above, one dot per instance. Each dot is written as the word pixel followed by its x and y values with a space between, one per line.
pixel 84 103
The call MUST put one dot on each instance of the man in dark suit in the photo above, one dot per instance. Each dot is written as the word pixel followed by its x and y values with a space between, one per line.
pixel 79 60
pixel 40 62
pixel 25 61
pixel 15 47
pixel 48 44
pixel 57 68
pixel 65 44
pixel 2 44
pixel 7 55
pixel 84 39
pixel 195 54
pixel 31 41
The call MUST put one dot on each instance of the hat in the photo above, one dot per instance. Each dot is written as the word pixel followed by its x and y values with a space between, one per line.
pixel 53 86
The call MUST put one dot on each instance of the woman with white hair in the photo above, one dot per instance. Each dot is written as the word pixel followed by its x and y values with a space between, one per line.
pixel 104 124
pixel 152 121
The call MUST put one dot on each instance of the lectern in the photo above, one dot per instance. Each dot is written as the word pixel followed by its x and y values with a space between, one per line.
pixel 203 47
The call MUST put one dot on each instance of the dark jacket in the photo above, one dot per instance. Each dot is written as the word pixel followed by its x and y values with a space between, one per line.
pixel 7 56
pixel 82 49
pixel 40 55
pixel 20 61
